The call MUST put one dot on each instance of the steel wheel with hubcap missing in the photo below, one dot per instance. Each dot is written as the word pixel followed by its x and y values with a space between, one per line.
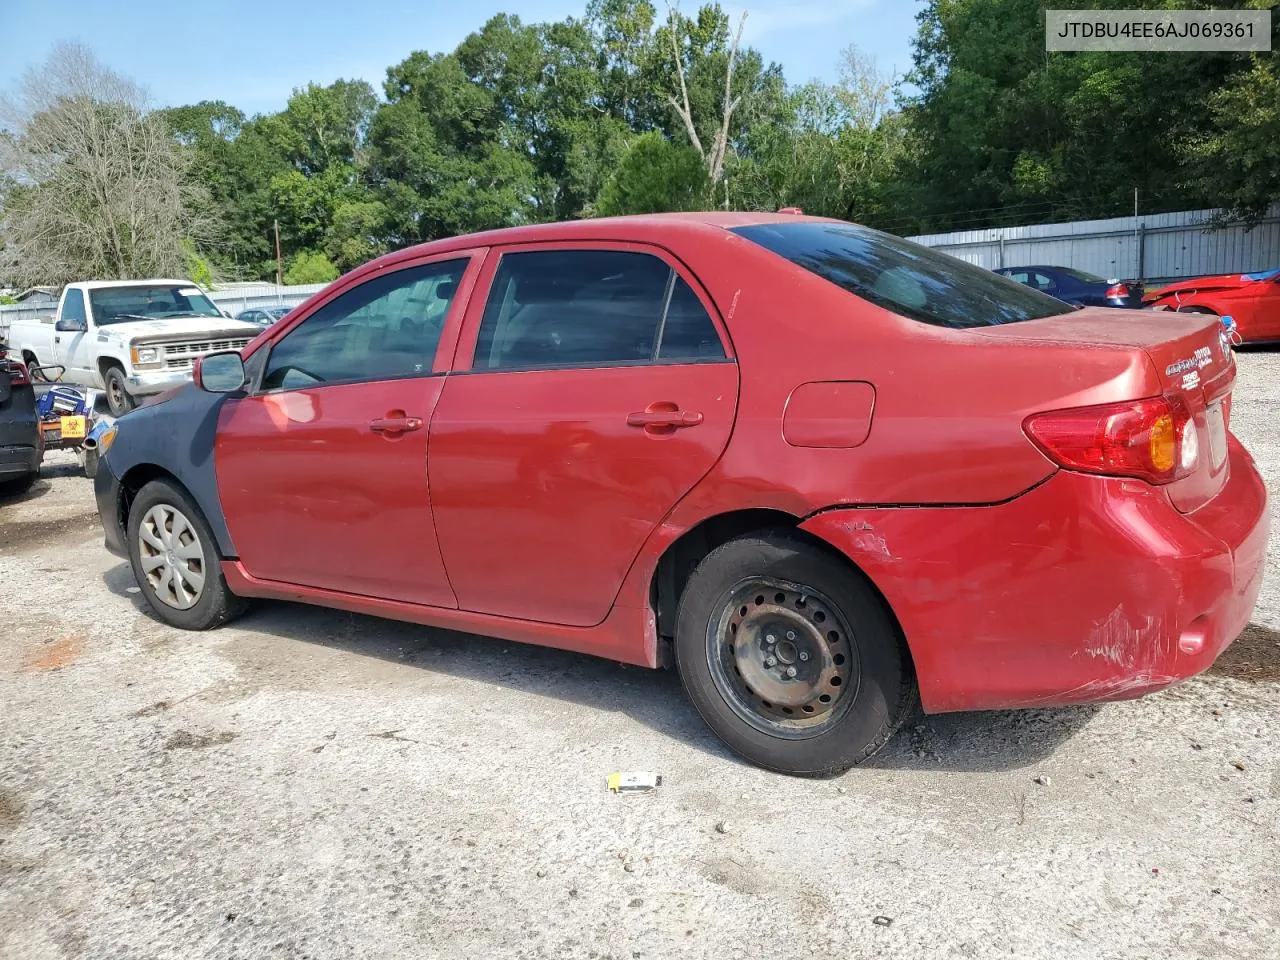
pixel 171 556
pixel 782 658
pixel 790 655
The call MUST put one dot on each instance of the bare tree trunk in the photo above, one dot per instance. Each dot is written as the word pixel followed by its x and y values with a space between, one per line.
pixel 714 158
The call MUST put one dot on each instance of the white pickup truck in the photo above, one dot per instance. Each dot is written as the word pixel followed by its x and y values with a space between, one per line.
pixel 129 338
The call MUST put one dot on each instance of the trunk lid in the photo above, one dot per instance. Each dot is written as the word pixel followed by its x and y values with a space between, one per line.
pixel 1191 360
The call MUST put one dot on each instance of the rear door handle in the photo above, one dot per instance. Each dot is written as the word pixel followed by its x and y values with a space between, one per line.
pixel 393 425
pixel 664 418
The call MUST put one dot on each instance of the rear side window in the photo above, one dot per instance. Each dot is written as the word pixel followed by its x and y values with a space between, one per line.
pixel 73 305
pixel 910 279
pixel 585 308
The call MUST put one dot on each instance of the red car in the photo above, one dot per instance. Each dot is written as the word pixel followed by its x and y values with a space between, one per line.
pixel 1252 299
pixel 815 467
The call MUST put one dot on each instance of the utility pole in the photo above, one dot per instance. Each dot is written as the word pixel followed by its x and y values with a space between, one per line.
pixel 280 269
pixel 1137 240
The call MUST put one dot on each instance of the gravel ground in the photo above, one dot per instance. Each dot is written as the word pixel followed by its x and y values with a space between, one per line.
pixel 315 784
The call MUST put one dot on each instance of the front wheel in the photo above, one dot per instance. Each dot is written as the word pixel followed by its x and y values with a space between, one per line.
pixel 119 402
pixel 175 559
pixel 790 656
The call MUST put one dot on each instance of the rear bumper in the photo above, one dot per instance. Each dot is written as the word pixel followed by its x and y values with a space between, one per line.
pixel 106 490
pixel 1083 589
pixel 18 460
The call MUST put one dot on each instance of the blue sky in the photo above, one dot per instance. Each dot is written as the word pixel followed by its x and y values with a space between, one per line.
pixel 252 53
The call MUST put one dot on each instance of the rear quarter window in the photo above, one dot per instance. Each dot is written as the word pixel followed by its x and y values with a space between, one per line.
pixel 912 280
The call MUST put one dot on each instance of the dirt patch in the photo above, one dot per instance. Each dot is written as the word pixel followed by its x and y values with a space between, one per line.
pixel 186 740
pixel 57 653
pixel 22 536
pixel 10 811
pixel 1254 657
pixel 160 706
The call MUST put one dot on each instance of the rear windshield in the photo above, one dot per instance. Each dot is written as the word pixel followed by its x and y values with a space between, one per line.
pixel 1081 275
pixel 907 278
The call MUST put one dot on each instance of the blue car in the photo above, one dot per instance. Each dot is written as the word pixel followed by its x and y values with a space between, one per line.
pixel 1077 287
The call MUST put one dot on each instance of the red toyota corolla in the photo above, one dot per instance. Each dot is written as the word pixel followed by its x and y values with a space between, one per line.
pixel 815 467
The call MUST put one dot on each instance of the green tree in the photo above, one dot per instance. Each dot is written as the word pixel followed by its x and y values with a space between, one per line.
pixel 310 267
pixel 656 176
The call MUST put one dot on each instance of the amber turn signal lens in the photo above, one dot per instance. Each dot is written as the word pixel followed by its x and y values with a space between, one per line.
pixel 1164 443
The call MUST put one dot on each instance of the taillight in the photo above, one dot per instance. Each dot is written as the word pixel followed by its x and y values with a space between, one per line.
pixel 1154 439
pixel 1118 291
pixel 18 375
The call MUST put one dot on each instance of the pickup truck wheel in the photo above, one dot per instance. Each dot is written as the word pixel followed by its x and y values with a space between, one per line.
pixel 790 656
pixel 32 363
pixel 118 400
pixel 175 559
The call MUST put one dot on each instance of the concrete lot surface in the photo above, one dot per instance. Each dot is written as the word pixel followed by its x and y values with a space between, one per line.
pixel 315 784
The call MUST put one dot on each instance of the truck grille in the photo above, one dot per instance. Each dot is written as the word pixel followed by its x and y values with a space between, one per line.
pixel 180 356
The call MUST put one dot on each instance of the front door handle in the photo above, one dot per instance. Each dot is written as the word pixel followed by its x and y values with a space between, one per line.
pixel 395 423
pixel 674 418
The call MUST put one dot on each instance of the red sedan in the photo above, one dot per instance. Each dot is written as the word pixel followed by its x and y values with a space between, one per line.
pixel 1252 299
pixel 818 469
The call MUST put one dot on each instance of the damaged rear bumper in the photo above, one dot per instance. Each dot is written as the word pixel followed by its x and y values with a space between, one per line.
pixel 1083 589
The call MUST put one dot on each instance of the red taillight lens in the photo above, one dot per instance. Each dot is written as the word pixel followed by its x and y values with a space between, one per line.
pixel 1120 290
pixel 18 375
pixel 1146 439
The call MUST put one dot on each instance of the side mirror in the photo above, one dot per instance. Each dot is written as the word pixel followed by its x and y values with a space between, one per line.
pixel 70 326
pixel 219 372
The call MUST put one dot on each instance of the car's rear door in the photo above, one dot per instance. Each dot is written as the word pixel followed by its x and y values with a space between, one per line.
pixel 322 469
pixel 594 387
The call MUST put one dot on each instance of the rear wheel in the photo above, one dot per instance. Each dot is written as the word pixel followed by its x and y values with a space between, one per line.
pixel 175 559
pixel 32 363
pixel 118 400
pixel 790 656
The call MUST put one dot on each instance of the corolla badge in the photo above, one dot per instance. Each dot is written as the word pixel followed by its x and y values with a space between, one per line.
pixel 1201 358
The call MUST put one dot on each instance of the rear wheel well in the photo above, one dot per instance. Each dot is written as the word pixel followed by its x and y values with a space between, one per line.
pixel 682 556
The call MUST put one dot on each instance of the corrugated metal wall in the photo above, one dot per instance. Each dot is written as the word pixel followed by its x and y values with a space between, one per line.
pixel 233 297
pixel 1170 246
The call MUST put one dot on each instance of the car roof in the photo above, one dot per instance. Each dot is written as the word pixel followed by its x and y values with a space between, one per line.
pixel 640 227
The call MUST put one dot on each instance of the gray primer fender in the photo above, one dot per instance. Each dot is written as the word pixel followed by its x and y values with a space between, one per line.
pixel 178 436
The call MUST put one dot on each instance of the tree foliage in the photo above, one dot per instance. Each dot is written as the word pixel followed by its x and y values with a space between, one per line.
pixel 91 183
pixel 629 109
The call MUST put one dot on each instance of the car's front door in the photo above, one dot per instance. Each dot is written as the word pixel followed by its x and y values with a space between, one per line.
pixel 594 390
pixel 322 469
pixel 71 347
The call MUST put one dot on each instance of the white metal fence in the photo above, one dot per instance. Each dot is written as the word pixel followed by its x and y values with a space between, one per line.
pixel 1157 249
pixel 230 297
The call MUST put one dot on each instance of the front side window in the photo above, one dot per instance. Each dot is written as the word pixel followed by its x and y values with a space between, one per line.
pixel 73 306
pixel 149 302
pixel 584 308
pixel 907 278
pixel 385 328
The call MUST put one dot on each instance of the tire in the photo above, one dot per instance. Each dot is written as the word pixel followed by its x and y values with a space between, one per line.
pixel 801 610
pixel 30 360
pixel 17 486
pixel 118 400
pixel 166 525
